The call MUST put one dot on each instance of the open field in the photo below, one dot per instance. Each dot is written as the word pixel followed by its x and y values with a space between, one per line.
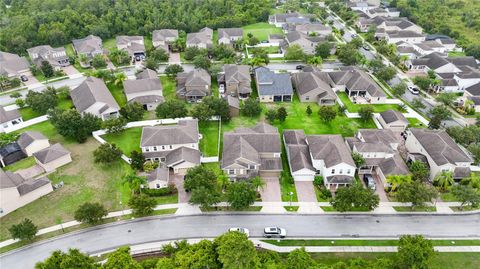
pixel 261 30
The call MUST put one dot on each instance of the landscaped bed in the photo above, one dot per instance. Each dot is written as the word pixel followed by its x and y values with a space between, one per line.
pixel 377 108
pixel 360 242
pixel 415 209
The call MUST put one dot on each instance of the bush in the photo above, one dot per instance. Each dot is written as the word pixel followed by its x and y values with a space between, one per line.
pixel 170 189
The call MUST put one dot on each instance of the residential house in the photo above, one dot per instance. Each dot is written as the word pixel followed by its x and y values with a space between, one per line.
pixel 9 118
pixel 175 146
pixel 447 42
pixel 439 151
pixel 202 39
pixel 92 96
pixel 314 87
pixel 382 12
pixel 158 178
pixel 306 42
pixel 273 87
pixel 236 79
pixel 383 24
pixel 361 5
pixel 12 65
pixel 229 36
pixel 52 157
pixel 89 46
pixel 379 148
pixel 146 90
pixel 395 36
pixel 275 39
pixel 194 85
pixel 472 93
pixel 134 45
pixel 280 19
pixel 312 29
pixel 164 38
pixel 407 49
pixel 429 46
pixel 393 120
pixel 16 191
pixel 56 57
pixel 11 153
pixel 248 152
pixel 32 141
pixel 233 105
pixel 298 155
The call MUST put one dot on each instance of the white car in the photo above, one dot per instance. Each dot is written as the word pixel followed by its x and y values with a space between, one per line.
pixel 413 89
pixel 240 230
pixel 221 88
pixel 269 232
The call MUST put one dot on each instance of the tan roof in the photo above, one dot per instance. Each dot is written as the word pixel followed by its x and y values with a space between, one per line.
pixel 51 153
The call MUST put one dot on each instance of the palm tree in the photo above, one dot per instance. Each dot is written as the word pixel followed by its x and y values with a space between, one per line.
pixel 258 183
pixel 119 78
pixel 135 182
pixel 474 180
pixel 223 181
pixel 444 180
pixel 396 180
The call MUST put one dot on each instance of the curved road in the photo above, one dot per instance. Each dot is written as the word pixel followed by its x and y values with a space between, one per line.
pixel 160 228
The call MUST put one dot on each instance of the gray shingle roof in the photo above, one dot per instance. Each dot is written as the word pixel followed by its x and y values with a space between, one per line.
pixel 32 184
pixel 12 64
pixel 233 101
pixel 198 78
pixel 357 80
pixel 316 82
pixel 47 53
pixel 183 154
pixel 6 116
pixel 28 137
pixel 88 45
pixel 185 132
pixel 51 153
pixel 433 61
pixel 402 34
pixel 147 83
pixel 91 91
pixel 163 34
pixel 463 61
pixel 14 180
pixel 160 173
pixel 238 74
pixel 298 150
pixel 271 83
pixel 330 148
pixel 474 90
pixel 391 115
pixel 204 36
pixel 230 32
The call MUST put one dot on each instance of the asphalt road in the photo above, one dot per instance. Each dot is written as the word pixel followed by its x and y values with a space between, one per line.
pixel 154 229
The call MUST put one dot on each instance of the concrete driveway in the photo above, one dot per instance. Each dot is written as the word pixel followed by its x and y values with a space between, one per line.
pixel 305 191
pixel 31 79
pixel 183 196
pixel 271 190
pixel 174 58
pixel 70 70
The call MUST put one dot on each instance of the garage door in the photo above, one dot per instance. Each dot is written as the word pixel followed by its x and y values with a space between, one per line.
pixel 303 177
pixel 181 171
pixel 269 174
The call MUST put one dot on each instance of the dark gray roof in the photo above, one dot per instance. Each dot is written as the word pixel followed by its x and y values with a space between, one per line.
pixel 229 32
pixel 391 115
pixel 463 61
pixel 474 99
pixel 461 172
pixel 281 17
pixel 160 173
pixel 314 82
pixel 183 154
pixel 11 64
pixel 271 83
pixel 51 153
pixel 185 132
pixel 402 34
pixel 92 90
pixel 88 45
pixel 329 148
pixel 474 90
pixel 394 166
pixel 163 34
pixel 297 149
pixel 340 179
pixel 355 79
pixel 32 184
pixel 238 74
pixel 195 78
pixel 440 146
pixel 28 137
pixel 14 180
pixel 6 116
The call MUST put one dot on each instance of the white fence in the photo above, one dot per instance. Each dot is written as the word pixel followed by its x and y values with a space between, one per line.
pixel 27 123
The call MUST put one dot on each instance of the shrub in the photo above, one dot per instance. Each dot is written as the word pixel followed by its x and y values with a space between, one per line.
pixel 170 189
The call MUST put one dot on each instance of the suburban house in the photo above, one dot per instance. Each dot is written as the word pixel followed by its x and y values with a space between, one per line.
pixel 202 39
pixel 175 146
pixel 358 85
pixel 298 155
pixel 134 45
pixel 439 151
pixel 248 152
pixel 429 46
pixel 383 24
pixel 158 178
pixel 52 157
pixel 441 64
pixel 32 141
pixel 379 148
pixel 276 39
pixel 280 19
pixel 314 87
pixel 194 85
pixel 447 42
pixel 313 29
pixel 229 36
pixel 306 42
pixel 273 87
pixel 146 90
pixel 395 36
pixel 236 79
pixel 92 96
pixel 11 153
pixel 381 12
pixel 89 46
pixel 56 57
pixel 233 105
pixel 12 65
pixel 472 93
pixel 15 191
pixel 9 118
pixel 164 38
pixel 393 120
pixel 363 5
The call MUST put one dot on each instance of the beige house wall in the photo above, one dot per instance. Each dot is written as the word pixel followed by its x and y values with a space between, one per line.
pixel 10 199
pixel 36 146
pixel 51 166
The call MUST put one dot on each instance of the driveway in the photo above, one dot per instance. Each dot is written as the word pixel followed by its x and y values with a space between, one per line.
pixel 31 79
pixel 271 190
pixel 174 58
pixel 70 70
pixel 305 191
pixel 379 190
pixel 183 196
pixel 31 172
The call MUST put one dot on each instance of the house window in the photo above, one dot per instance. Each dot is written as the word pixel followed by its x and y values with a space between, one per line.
pixel 251 166
pixel 147 149
pixel 231 172
pixel 348 171
pixel 171 147
pixel 163 159
pixel 333 171
pixel 341 171
pixel 276 155
pixel 307 98
pixel 158 186
pixel 154 148
pixel 163 147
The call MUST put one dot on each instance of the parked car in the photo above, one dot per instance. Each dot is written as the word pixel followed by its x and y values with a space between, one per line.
pixel 269 232
pixel 366 47
pixel 264 41
pixel 300 67
pixel 354 35
pixel 23 78
pixel 240 230
pixel 414 90
pixel 369 181
pixel 221 88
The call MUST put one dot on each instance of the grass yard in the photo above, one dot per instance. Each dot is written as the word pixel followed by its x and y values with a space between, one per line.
pixel 415 209
pixel 261 30
pixel 290 209
pixel 415 123
pixel 22 164
pixel 456 54
pixel 169 87
pixel 127 141
pixel 352 108
pixel 28 113
pixel 331 209
pixel 118 94
pixel 227 208
pixel 109 44
pixel 360 242
pixel 209 142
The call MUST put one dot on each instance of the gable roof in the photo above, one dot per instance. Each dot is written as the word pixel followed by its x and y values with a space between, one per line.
pixel 204 36
pixel 146 81
pixel 88 44
pixel 474 90
pixel 298 150
pixel 51 153
pixel 440 146
pixel 229 32
pixel 159 173
pixel 329 148
pixel 271 83
pixel 355 79
pixel 185 132
pixel 163 34
pixel 317 82
pixel 463 61
pixel 312 27
pixel 28 137
pixel 14 180
pixel 391 115
pixel 233 101
pixel 183 154
pixel 93 91
pixel 238 74
pixel 11 64
pixel 8 115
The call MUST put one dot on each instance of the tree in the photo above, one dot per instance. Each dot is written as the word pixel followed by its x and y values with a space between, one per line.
pixel 6 139
pixel 41 102
pixel 323 49
pixel 349 55
pixel 137 160
pixel 159 55
pixel 73 259
pixel 423 83
pixel 466 194
pixel 199 255
pixel 219 106
pixel 152 64
pixel 107 153
pixel 241 195
pixel 251 107
pixel 282 114
pixel 191 52
pixel 47 69
pixel 355 196
pixel 386 73
pixel 418 104
pixel 172 109
pixel 119 57
pixel 202 183
pixel 417 193
pixel 132 111
pixel 271 115
pixel 444 180
pixel 299 259
pixel 98 62
pixel 309 111
pixel 439 114
pixel 252 41
pixel 90 213
pixel 235 251
pixel 358 159
pixel 121 258
pixel 202 112
pixel 69 123
pixel 315 61
pixel 261 56
pixel 223 181
pixel 114 125
pixel 366 112
pixel 399 89
pixel 201 61
pixel 397 180
pixel 419 170
pixel 294 52
pixel 134 182
pixel 414 251
pixel 327 113
pixel 173 69
pixel 142 205
pixel 258 183
pixel 473 50
pixel 446 98
pixel 25 230
pixel 119 78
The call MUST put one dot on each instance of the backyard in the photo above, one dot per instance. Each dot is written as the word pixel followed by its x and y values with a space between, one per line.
pixel 169 90
pixel 27 113
pixel 118 93
pixel 261 30
pixel 377 108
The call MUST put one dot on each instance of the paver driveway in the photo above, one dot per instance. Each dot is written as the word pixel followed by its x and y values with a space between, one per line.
pixel 305 191
pixel 271 190
pixel 183 196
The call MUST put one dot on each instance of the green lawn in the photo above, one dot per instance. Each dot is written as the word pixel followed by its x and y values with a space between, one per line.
pixel 118 93
pixel 261 30
pixel 22 164
pixel 360 242
pixel 291 209
pixel 268 50
pixel 209 142
pixel 109 44
pixel 127 141
pixel 456 54
pixel 415 209
pixel 169 87
pixel 415 123
pixel 352 108
pixel 28 113
pixel 331 209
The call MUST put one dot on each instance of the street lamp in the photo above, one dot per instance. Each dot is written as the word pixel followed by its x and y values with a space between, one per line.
pixel 291 195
